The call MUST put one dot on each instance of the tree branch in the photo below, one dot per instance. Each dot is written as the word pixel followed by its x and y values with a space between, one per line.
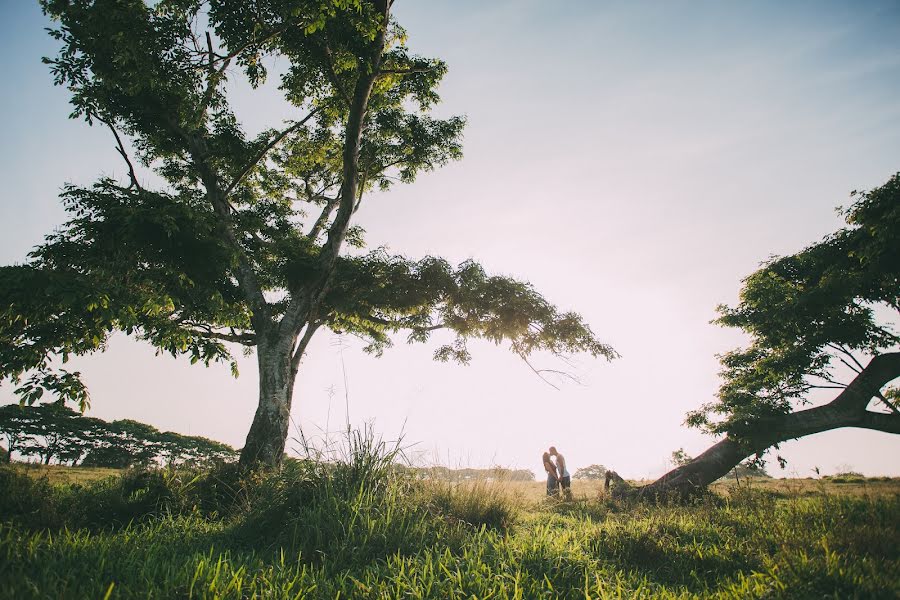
pixel 846 352
pixel 880 371
pixel 405 71
pixel 265 150
pixel 121 150
pixel 246 339
pixel 889 404
pixel 196 147
pixel 332 74
pixel 323 218
pixel 400 325
pixel 315 290
pixel 214 76
pixel 311 328
pixel 880 422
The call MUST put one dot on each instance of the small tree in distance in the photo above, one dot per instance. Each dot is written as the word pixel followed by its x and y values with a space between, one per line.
pixel 591 472
pixel 244 242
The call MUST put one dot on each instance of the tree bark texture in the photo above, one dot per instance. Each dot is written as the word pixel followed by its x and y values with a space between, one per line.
pixel 268 433
pixel 848 409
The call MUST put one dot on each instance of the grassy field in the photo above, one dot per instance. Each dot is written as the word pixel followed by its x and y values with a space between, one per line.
pixel 358 530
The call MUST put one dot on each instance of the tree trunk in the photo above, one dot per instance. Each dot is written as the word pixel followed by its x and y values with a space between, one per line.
pixel 268 433
pixel 847 410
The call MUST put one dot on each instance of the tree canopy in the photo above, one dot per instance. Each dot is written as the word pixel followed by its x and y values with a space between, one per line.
pixel 811 315
pixel 240 238
pixel 821 319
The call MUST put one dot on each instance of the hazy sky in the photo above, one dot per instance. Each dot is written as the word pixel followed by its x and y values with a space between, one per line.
pixel 634 161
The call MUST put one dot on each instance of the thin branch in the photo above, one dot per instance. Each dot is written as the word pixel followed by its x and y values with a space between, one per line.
pixel 206 331
pixel 121 150
pixel 247 339
pixel 268 37
pixel 247 278
pixel 323 218
pixel 405 71
pixel 401 325
pixel 262 153
pixel 311 328
pixel 214 77
pixel 332 74
pixel 890 404
pixel 843 350
pixel 538 373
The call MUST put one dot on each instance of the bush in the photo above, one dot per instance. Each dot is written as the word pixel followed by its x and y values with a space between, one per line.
pixel 28 500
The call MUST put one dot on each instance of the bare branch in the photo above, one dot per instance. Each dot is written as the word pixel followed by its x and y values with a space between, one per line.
pixel 537 372
pixel 846 352
pixel 121 150
pixel 311 328
pixel 214 76
pixel 323 218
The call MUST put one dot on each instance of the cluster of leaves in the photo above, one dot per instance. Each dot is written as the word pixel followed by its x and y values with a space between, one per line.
pixel 55 432
pixel 376 295
pixel 808 312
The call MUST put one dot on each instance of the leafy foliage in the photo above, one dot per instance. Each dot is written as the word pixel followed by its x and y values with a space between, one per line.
pixel 241 243
pixel 808 312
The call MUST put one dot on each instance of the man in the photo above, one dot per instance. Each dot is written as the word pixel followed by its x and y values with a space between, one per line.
pixel 552 479
pixel 565 481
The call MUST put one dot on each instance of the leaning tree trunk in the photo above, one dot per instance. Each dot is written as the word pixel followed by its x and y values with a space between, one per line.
pixel 847 410
pixel 268 433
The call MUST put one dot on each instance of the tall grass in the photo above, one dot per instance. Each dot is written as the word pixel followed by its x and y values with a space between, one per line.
pixel 353 526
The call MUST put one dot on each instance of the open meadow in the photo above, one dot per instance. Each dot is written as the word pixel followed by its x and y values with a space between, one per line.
pixel 361 530
pixel 274 190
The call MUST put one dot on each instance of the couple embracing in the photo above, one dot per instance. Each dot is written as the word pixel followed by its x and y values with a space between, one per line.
pixel 557 473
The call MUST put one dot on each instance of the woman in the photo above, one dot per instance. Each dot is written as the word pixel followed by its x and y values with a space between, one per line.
pixel 552 479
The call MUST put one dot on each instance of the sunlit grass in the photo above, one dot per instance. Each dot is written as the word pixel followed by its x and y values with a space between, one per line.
pixel 361 530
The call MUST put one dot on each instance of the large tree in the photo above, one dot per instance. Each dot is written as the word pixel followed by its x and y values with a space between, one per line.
pixel 820 319
pixel 240 240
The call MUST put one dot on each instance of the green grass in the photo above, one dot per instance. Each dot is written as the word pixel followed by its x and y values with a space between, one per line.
pixel 357 529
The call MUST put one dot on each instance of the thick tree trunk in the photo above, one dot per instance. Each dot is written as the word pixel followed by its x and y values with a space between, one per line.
pixel 268 433
pixel 847 410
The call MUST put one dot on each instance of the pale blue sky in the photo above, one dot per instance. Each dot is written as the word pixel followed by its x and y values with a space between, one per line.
pixel 632 160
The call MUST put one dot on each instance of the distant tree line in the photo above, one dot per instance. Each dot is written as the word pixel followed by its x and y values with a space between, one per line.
pixel 55 433
pixel 493 473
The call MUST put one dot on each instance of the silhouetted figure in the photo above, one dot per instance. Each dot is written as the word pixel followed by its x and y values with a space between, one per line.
pixel 565 480
pixel 552 479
